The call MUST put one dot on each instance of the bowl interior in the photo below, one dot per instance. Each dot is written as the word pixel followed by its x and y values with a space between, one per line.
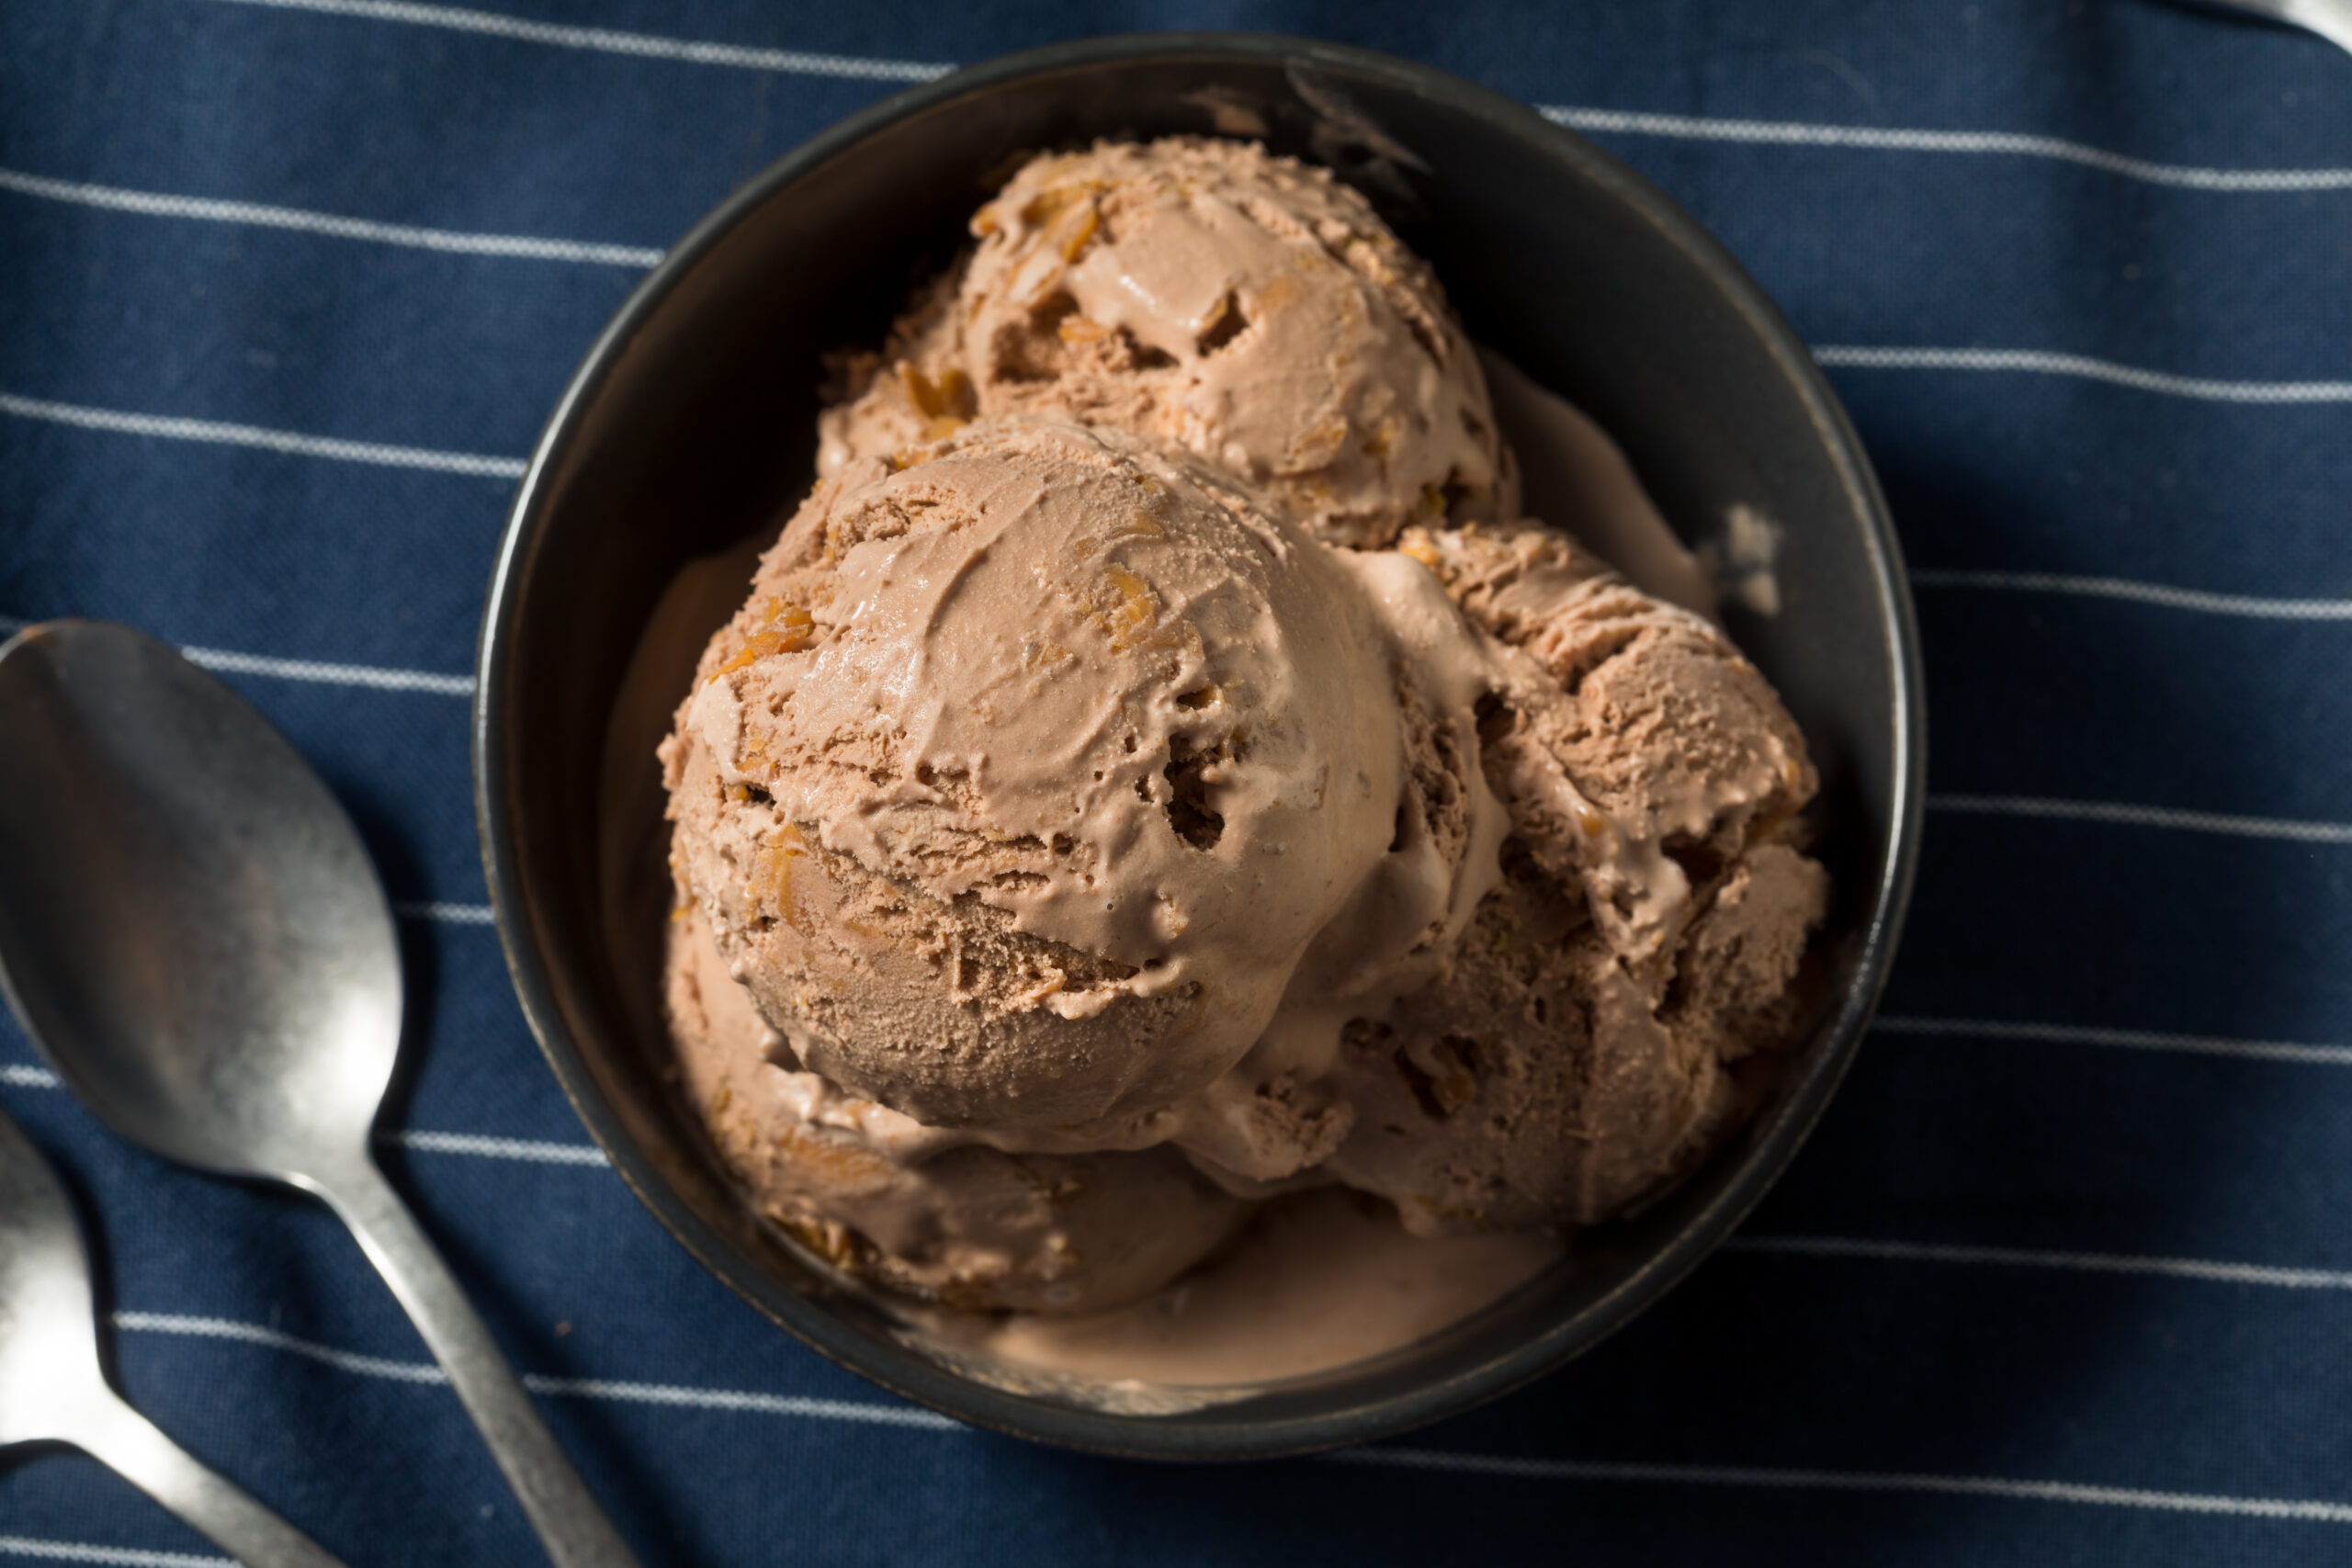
pixel 690 430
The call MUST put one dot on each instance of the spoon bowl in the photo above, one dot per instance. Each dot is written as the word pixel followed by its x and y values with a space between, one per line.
pixel 195 937
pixel 200 941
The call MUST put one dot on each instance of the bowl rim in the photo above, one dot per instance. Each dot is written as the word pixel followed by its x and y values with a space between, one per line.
pixel 1202 1435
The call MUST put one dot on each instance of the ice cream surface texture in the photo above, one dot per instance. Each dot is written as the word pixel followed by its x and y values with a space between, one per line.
pixel 916 1209
pixel 1035 765
pixel 1650 922
pixel 1153 774
pixel 1249 309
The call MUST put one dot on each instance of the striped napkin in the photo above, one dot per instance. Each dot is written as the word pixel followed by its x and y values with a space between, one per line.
pixel 287 288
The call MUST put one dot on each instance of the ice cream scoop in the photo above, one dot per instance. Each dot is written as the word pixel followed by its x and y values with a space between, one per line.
pixel 1022 786
pixel 930 1213
pixel 1653 912
pixel 1249 307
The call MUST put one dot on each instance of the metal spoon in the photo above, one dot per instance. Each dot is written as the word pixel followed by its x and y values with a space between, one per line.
pixel 194 938
pixel 52 1389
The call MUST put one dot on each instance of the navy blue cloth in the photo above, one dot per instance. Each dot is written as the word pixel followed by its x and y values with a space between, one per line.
pixel 2064 1275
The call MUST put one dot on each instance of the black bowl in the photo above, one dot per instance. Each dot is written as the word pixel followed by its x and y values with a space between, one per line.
pixel 690 429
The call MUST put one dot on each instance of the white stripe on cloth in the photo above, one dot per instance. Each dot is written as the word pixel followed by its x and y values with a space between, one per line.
pixel 2034 362
pixel 1785 133
pixel 446 914
pixel 2127 1039
pixel 206 209
pixel 1622 122
pixel 609 42
pixel 1849 1481
pixel 331 674
pixel 475 1145
pixel 482 1146
pixel 271 1339
pixel 204 430
pixel 750 1404
pixel 2128 815
pixel 2139 593
pixel 570 1388
pixel 478 1145
pixel 2026 1258
pixel 104 1556
pixel 369 675
pixel 798 1407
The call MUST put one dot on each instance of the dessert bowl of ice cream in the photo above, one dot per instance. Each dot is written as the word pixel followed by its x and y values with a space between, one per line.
pixel 1112 805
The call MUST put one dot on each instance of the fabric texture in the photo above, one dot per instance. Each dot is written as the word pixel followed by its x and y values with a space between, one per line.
pixel 287 287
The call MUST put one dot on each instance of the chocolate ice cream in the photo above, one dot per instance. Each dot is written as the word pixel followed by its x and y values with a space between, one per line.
pixel 1035 764
pixel 1249 309
pixel 1089 828
pixel 917 1209
pixel 1649 924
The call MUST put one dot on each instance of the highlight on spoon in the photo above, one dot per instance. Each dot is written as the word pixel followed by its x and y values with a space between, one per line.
pixel 189 925
pixel 48 1333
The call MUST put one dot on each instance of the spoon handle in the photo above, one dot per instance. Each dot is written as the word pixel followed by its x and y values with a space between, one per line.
pixel 571 1525
pixel 109 1430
